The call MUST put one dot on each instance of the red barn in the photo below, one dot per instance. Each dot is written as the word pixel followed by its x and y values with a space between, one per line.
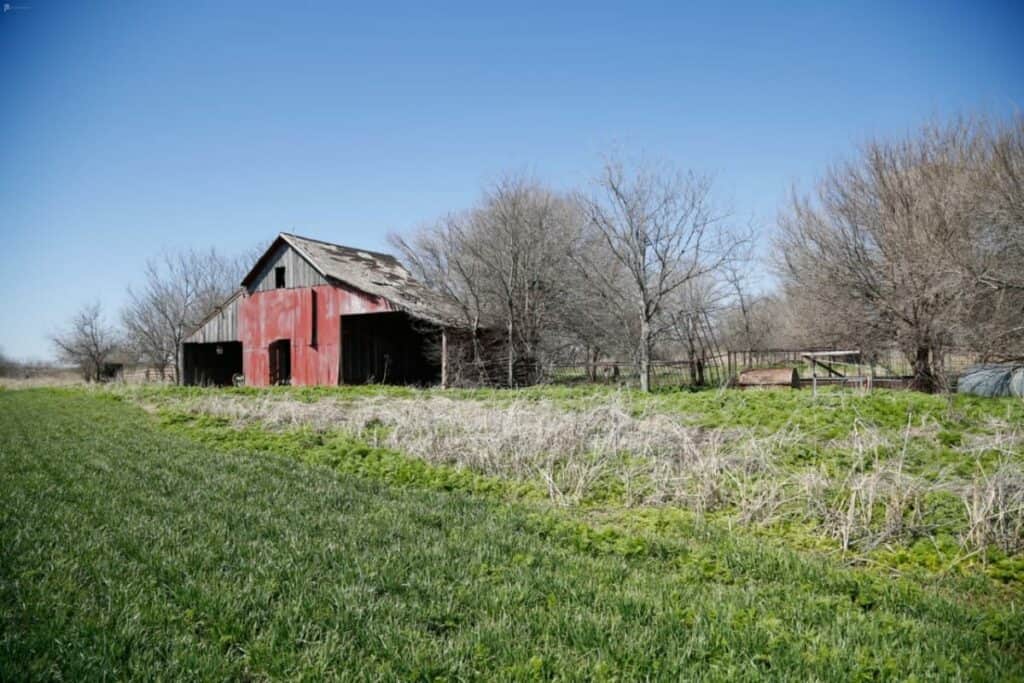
pixel 311 312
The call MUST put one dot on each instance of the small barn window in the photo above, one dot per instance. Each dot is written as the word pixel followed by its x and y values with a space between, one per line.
pixel 313 316
pixel 279 277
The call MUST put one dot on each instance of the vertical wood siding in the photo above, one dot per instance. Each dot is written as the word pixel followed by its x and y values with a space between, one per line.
pixel 297 271
pixel 222 327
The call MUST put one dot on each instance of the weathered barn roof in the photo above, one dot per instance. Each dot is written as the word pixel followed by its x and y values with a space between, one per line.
pixel 369 271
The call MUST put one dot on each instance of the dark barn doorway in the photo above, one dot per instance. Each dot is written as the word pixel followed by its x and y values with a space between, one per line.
pixel 213 364
pixel 281 361
pixel 388 348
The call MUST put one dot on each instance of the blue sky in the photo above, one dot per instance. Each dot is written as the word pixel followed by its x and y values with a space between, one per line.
pixel 127 128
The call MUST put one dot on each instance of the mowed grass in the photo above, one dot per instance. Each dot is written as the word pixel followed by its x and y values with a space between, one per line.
pixel 128 551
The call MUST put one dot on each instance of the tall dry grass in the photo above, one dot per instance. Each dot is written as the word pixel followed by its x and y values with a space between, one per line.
pixel 603 450
pixel 52 379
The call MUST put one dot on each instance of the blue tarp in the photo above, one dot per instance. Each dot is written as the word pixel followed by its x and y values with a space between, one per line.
pixel 992 380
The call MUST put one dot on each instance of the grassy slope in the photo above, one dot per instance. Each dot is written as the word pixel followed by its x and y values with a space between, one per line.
pixel 128 551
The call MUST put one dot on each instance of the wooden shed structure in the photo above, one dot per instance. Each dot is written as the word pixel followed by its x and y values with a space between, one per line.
pixel 131 368
pixel 313 313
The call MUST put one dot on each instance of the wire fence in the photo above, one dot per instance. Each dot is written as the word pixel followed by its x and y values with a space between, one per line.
pixel 664 374
pixel 883 364
pixel 888 367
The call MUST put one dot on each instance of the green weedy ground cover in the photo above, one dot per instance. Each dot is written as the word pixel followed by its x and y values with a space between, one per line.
pixel 828 415
pixel 814 457
pixel 130 550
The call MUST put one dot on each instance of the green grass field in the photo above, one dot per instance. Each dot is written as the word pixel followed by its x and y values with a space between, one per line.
pixel 170 544
pixel 909 483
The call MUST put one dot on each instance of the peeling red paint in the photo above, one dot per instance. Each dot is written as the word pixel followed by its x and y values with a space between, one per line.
pixel 265 317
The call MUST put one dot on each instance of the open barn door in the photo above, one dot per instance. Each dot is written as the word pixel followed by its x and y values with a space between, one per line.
pixel 211 364
pixel 281 361
pixel 389 348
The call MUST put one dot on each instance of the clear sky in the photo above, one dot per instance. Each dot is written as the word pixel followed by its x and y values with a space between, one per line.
pixel 130 127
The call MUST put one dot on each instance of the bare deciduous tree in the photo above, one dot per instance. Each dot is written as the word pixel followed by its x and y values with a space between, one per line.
pixel 660 226
pixel 87 342
pixel 914 243
pixel 747 322
pixel 437 257
pixel 991 259
pixel 688 314
pixel 180 288
pixel 592 319
pixel 502 262
pixel 520 241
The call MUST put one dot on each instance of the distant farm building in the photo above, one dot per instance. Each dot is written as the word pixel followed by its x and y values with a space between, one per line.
pixel 315 313
pixel 130 368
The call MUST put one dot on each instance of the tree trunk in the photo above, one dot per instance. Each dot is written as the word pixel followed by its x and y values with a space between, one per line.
pixel 592 357
pixel 645 356
pixel 511 356
pixel 924 377
pixel 483 376
pixel 696 371
pixel 444 358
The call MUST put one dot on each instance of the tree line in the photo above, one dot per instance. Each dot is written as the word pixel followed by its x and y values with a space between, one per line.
pixel 178 290
pixel 914 243
pixel 606 271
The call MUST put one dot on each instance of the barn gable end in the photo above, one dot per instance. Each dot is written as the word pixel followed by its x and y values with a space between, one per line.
pixel 298 271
